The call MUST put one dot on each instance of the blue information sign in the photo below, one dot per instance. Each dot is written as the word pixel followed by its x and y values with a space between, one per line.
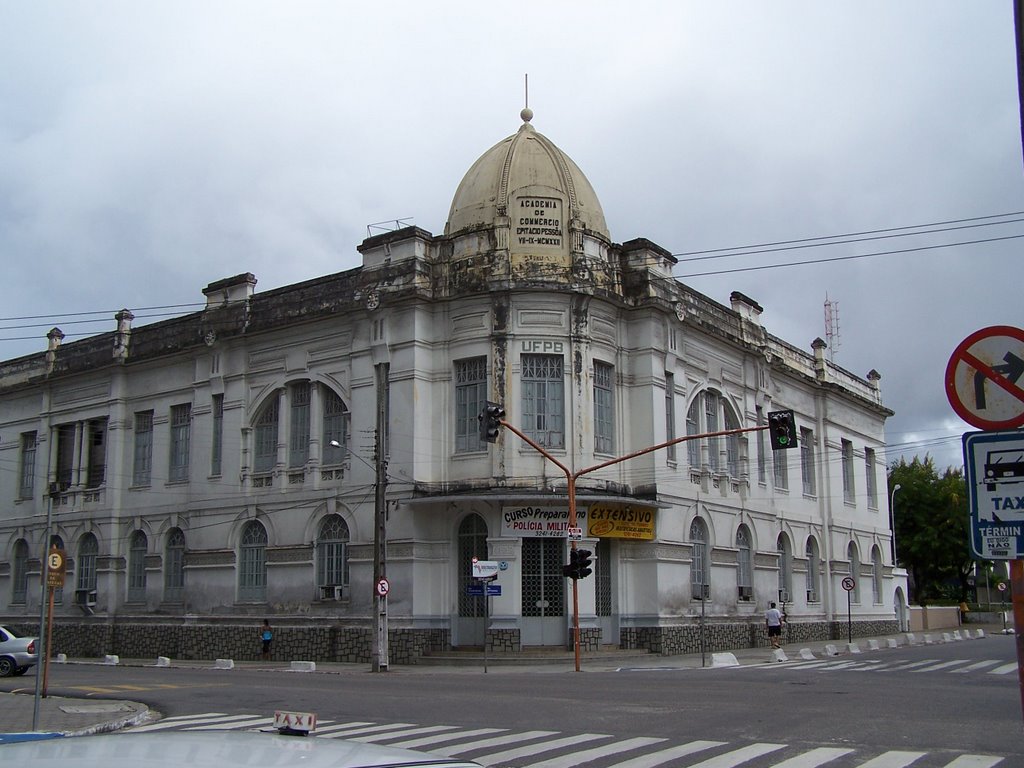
pixel 477 590
pixel 994 471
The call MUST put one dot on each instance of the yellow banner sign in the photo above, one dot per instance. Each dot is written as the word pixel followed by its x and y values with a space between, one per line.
pixel 620 521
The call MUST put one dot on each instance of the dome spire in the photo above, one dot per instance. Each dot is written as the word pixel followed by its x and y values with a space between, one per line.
pixel 526 114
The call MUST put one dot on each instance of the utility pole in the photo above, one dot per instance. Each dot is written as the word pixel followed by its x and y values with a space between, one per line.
pixel 381 586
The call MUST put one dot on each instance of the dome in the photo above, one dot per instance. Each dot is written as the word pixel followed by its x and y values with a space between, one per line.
pixel 529 180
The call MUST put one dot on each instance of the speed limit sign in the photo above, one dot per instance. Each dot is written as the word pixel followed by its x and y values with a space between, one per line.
pixel 849 584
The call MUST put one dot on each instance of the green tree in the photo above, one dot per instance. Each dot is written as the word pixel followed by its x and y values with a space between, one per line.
pixel 931 521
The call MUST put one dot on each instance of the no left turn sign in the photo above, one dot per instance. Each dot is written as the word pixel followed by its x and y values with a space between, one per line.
pixel 984 378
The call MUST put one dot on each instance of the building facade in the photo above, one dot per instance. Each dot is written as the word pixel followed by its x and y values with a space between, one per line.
pixel 270 455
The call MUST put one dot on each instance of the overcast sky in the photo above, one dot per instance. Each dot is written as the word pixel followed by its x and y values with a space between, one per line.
pixel 148 149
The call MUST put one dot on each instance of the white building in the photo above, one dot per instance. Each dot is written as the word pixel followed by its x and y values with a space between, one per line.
pixel 212 470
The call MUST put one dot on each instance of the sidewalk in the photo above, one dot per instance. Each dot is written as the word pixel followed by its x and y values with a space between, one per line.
pixel 59 716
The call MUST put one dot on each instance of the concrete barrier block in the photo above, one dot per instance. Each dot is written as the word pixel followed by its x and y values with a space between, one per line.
pixel 163 661
pixel 892 642
pixel 831 650
pixel 779 655
pixel 806 653
pixel 62 658
pixel 853 648
pixel 929 640
pixel 110 659
pixel 957 636
pixel 912 639
pixel 873 645
pixel 224 664
pixel 981 634
pixel 724 660
pixel 303 666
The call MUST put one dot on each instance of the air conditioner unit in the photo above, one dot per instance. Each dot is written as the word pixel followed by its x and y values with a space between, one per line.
pixel 784 596
pixel 85 597
pixel 746 593
pixel 331 592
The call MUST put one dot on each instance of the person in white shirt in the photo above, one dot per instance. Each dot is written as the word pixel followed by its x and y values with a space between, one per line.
pixel 773 620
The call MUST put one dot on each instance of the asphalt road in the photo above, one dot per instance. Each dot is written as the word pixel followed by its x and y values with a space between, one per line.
pixel 955 697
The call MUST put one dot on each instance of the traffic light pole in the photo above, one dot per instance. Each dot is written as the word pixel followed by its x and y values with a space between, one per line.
pixel 571 478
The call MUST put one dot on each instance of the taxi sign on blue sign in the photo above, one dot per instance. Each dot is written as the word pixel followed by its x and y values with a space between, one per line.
pixel 994 469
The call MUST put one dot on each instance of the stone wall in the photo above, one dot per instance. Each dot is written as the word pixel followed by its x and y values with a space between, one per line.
pixel 327 643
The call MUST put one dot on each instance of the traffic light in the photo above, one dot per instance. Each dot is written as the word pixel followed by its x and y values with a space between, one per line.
pixel 490 421
pixel 583 563
pixel 579 564
pixel 782 430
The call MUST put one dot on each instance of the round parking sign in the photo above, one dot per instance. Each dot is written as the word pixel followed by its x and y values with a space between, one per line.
pixel 849 584
pixel 383 586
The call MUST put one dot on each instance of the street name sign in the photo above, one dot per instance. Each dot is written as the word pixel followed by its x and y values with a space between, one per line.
pixel 984 378
pixel 994 469
pixel 484 569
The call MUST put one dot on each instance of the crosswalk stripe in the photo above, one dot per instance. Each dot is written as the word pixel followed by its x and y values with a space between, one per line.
pixel 497 741
pixel 537 749
pixel 738 756
pixel 404 732
pixel 185 720
pixel 249 722
pixel 578 758
pixel 913 664
pixel 327 726
pixel 943 665
pixel 814 758
pixel 1003 670
pixel 975 761
pixel 359 731
pixel 444 738
pixel 893 759
pixel 654 759
pixel 976 666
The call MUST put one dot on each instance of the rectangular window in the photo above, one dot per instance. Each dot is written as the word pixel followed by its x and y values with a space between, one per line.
pixel 693 428
pixel 470 397
pixel 670 414
pixel 807 462
pixel 872 486
pixel 265 436
pixel 65 455
pixel 97 471
pixel 761 456
pixel 604 408
pixel 217 439
pixel 181 425
pixel 849 493
pixel 711 425
pixel 27 474
pixel 335 427
pixel 142 463
pixel 780 468
pixel 544 400
pixel 298 444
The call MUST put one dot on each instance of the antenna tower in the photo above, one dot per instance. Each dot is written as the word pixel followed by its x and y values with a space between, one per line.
pixel 832 327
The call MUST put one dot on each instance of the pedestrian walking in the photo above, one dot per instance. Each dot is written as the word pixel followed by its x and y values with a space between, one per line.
pixel 773 620
pixel 267 634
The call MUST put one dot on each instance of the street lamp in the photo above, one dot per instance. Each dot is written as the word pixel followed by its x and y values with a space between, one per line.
pixel 892 522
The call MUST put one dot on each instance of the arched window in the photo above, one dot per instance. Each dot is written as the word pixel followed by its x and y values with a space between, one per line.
pixel 174 566
pixel 785 568
pixel 19 575
pixel 252 563
pixel 700 568
pixel 336 416
pixel 137 567
pixel 813 564
pixel 854 559
pixel 88 550
pixel 711 412
pixel 332 557
pixel 472 543
pixel 265 436
pixel 876 575
pixel 744 563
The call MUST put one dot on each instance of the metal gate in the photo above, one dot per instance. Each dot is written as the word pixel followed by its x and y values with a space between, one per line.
pixel 543 592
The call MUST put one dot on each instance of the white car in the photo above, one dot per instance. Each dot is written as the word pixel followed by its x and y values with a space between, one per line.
pixel 17 654
pixel 215 750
